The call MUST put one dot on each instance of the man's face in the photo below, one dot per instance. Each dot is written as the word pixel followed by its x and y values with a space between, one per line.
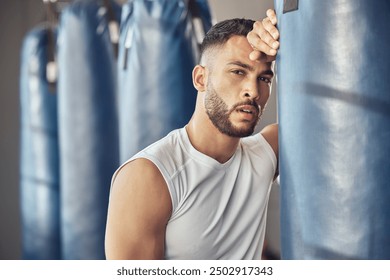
pixel 220 114
pixel 237 88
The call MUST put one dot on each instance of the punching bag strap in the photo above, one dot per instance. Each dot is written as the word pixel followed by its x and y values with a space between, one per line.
pixel 128 33
pixel 196 21
pixel 51 66
pixel 113 26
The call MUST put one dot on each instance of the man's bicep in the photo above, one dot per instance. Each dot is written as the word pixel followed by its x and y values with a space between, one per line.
pixel 139 210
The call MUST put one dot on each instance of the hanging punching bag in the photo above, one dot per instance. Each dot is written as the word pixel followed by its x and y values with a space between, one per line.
pixel 89 151
pixel 334 112
pixel 157 51
pixel 39 169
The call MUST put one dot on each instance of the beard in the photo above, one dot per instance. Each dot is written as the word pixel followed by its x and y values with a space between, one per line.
pixel 219 114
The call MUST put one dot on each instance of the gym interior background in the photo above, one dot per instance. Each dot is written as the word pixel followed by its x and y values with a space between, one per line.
pixel 17 17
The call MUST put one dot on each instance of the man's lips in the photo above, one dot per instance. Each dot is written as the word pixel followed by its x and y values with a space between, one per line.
pixel 248 109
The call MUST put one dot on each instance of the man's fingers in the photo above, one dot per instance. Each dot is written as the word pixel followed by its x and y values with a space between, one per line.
pixel 271 28
pixel 264 38
pixel 272 16
pixel 260 56
pixel 259 44
pixel 256 55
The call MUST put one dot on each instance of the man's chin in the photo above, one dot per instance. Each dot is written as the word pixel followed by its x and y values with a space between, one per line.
pixel 244 129
pixel 239 132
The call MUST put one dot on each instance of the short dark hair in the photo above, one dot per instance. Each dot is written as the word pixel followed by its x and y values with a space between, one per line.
pixel 220 33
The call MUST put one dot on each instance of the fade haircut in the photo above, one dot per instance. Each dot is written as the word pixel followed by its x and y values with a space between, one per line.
pixel 220 33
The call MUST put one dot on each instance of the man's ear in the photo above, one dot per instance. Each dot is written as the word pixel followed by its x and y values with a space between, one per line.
pixel 199 78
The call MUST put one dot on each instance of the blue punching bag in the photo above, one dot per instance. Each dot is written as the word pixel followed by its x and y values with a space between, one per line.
pixel 39 169
pixel 334 104
pixel 157 51
pixel 89 144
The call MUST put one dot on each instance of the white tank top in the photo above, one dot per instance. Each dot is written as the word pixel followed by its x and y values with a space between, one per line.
pixel 218 210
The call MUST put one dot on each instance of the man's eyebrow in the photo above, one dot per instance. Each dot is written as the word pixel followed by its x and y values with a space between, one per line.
pixel 250 68
pixel 241 64
pixel 268 72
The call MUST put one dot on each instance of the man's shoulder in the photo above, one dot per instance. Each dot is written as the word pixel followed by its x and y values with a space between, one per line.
pixel 266 141
pixel 270 134
pixel 169 141
pixel 150 159
pixel 165 147
pixel 138 167
pixel 168 154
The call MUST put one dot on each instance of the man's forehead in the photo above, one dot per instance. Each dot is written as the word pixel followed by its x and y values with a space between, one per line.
pixel 237 49
pixel 238 42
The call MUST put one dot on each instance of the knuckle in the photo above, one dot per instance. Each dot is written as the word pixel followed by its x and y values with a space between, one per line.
pixel 257 25
pixel 273 30
pixel 268 25
pixel 275 33
pixel 271 12
pixel 251 37
pixel 258 42
pixel 263 34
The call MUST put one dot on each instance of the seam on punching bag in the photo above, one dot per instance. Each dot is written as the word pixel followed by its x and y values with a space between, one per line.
pixel 290 5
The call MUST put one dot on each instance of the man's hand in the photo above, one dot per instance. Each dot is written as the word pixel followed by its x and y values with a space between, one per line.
pixel 264 38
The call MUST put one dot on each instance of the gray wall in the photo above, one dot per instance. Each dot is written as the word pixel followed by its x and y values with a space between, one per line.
pixel 16 18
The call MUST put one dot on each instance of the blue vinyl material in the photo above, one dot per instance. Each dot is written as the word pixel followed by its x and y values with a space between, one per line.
pixel 89 149
pixel 39 163
pixel 334 112
pixel 157 52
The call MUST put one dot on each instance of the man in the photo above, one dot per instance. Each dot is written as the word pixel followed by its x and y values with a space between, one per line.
pixel 202 191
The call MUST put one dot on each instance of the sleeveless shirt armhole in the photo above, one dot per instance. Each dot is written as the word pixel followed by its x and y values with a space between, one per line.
pixel 117 171
pixel 163 172
pixel 269 150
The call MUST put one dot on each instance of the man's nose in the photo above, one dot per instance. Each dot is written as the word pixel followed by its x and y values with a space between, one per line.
pixel 251 91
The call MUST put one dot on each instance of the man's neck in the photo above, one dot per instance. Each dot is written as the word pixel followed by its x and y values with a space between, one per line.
pixel 207 139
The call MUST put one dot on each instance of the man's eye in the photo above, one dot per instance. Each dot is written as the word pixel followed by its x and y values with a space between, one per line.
pixel 264 79
pixel 238 72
